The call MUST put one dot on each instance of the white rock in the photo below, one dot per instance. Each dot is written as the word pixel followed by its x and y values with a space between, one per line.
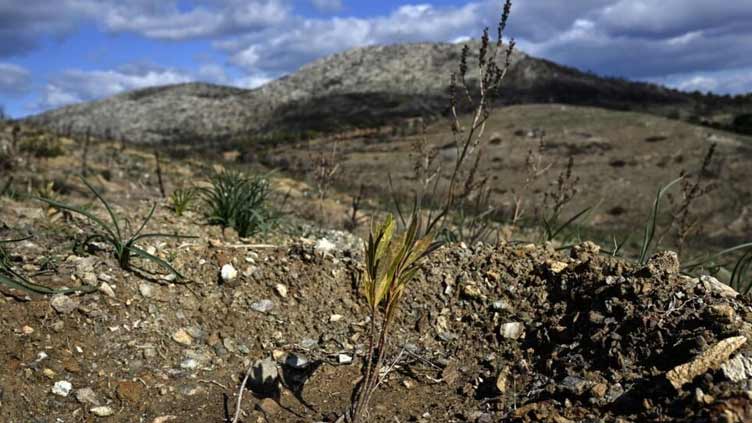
pixel 263 306
pixel 281 290
pixel 102 411
pixel 296 361
pixel 335 318
pixel 63 304
pixel 228 273
pixel 62 388
pixel 189 364
pixel 182 337
pixel 738 368
pixel 87 396
pixel 146 289
pixel 324 246
pixel 513 330
pixel 106 289
pixel 344 359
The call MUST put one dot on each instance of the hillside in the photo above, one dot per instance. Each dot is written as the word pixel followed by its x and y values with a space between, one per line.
pixel 364 87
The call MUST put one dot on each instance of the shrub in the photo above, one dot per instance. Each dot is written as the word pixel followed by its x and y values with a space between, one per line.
pixel 41 147
pixel 114 234
pixel 239 202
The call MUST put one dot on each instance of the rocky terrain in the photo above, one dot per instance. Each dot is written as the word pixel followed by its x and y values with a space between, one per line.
pixel 510 332
pixel 364 87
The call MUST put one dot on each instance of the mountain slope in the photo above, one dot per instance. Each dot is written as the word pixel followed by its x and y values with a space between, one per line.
pixel 361 87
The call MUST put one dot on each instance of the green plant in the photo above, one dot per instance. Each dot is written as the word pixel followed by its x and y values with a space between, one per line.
pixel 390 263
pixel 650 226
pixel 181 199
pixel 114 234
pixel 239 202
pixel 12 279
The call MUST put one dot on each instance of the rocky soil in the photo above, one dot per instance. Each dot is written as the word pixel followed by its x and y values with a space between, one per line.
pixel 510 332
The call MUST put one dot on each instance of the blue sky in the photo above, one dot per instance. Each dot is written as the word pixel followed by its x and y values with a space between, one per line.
pixel 57 52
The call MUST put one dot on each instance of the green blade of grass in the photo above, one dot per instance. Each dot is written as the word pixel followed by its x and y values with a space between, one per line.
pixel 106 206
pixel 650 226
pixel 82 212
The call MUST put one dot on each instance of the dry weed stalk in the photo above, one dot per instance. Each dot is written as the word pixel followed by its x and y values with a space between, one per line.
pixel 466 189
pixel 684 221
pixel 354 220
pixel 534 169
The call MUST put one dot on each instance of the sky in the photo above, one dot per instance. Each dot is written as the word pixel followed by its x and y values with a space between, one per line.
pixel 58 52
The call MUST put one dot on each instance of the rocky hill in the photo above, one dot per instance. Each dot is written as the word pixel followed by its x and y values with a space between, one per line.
pixel 362 87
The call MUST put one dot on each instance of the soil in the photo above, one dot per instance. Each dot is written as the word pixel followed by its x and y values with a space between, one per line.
pixel 509 332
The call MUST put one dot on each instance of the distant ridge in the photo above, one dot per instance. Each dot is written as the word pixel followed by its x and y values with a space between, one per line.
pixel 366 86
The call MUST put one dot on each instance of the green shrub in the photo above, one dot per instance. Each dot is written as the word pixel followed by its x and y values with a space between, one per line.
pixel 239 202
pixel 41 147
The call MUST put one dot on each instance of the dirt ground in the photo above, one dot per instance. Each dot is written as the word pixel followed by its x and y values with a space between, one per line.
pixel 510 332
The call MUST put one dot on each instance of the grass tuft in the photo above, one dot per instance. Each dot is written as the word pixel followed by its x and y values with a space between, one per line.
pixel 239 202
pixel 114 233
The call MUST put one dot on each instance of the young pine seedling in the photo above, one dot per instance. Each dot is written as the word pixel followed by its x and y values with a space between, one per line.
pixel 114 233
pixel 391 262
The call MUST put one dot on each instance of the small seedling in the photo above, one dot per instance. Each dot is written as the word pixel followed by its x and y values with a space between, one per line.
pixel 390 264
pixel 181 199
pixel 114 234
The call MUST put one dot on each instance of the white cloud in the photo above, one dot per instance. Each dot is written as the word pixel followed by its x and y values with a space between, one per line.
pixel 14 80
pixel 735 81
pixel 76 85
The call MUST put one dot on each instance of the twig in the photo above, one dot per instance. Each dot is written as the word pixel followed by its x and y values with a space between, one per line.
pixel 240 394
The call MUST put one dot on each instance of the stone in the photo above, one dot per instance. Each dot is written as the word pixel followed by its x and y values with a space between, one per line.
pixel 324 246
pixel 63 304
pixel 27 330
pixel 723 313
pixel 335 318
pixel 738 368
pixel 182 337
pixel 131 392
pixel 556 266
pixel 87 396
pixel 712 358
pixel 102 411
pixel 344 359
pixel 263 306
pixel 147 290
pixel 281 290
pixel 585 250
pixel 268 406
pixel 264 376
pixel 164 419
pixel 62 388
pixel 714 285
pixel 296 361
pixel 89 278
pixel 228 273
pixel 513 330
pixel 107 290
pixel 471 291
pixel 599 390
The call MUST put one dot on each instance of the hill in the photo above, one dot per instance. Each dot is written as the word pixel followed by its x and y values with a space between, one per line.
pixel 363 87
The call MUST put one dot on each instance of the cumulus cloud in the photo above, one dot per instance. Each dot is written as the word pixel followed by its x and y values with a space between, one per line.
pixel 14 80
pixel 280 50
pixel 165 20
pixel 76 85
pixel 735 81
